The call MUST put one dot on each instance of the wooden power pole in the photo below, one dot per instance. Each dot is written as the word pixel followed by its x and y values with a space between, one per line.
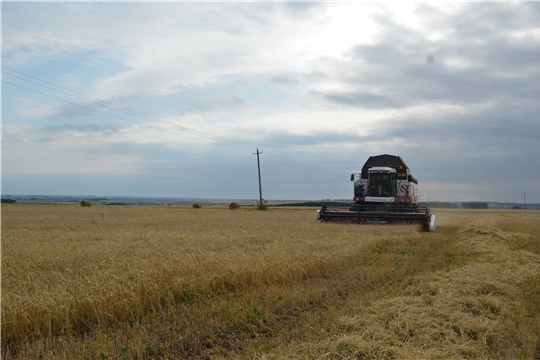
pixel 259 168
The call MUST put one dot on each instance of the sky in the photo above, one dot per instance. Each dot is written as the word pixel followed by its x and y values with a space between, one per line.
pixel 173 99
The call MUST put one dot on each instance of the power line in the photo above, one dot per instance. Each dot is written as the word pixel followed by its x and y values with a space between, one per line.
pixel 200 136
pixel 96 110
pixel 117 108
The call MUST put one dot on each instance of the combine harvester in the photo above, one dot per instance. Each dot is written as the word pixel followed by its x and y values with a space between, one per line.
pixel 385 192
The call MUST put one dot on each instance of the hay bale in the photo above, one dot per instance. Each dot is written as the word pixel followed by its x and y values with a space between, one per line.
pixel 197 206
pixel 235 206
pixel 86 203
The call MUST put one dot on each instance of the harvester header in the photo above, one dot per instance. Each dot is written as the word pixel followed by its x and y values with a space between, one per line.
pixel 384 192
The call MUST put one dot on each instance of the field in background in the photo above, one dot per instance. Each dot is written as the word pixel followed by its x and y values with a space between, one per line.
pixel 155 282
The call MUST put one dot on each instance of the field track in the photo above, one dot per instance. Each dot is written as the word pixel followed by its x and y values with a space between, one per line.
pixel 168 283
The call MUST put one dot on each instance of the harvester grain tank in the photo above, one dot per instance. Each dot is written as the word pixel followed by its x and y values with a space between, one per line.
pixel 384 192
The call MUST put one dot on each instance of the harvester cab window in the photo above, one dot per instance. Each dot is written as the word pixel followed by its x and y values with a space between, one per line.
pixel 381 184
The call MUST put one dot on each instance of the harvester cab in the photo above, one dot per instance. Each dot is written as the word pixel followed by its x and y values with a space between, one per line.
pixel 384 192
pixel 381 184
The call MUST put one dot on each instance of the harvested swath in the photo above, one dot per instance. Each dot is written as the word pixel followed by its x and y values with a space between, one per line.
pixel 235 206
pixel 86 203
pixel 197 206
pixel 468 312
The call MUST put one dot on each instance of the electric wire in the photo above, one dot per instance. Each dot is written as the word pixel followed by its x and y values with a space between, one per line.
pixel 274 156
pixel 214 139
pixel 102 112
pixel 123 110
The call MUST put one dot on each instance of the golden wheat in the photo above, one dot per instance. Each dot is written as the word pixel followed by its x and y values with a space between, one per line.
pixel 170 282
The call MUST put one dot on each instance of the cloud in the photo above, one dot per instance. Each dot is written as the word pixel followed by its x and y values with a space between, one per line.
pixel 175 44
pixel 469 68
pixel 26 108
pixel 320 84
pixel 363 99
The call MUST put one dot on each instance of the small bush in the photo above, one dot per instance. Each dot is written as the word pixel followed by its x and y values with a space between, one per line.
pixel 262 205
pixel 86 203
pixel 197 206
pixel 235 206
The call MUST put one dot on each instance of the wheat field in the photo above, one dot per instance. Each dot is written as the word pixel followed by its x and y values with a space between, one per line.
pixel 110 282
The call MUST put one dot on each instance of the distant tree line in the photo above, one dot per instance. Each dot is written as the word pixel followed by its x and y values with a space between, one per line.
pixel 313 203
pixel 9 201
pixel 438 204
pixel 474 205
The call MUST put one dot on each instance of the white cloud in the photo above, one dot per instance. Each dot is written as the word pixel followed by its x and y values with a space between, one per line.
pixel 27 108
pixel 324 82
pixel 181 44
pixel 37 112
pixel 29 152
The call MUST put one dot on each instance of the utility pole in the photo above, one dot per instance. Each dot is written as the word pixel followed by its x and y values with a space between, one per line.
pixel 524 201
pixel 259 168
